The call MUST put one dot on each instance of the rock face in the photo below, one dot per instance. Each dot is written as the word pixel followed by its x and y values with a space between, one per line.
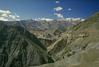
pixel 19 48
pixel 78 47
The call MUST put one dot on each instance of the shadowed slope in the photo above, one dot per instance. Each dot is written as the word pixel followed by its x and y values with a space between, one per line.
pixel 19 48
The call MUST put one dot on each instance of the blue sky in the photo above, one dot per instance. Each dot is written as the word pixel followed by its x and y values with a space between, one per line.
pixel 28 9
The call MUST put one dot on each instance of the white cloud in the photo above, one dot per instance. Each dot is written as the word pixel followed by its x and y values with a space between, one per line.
pixel 59 8
pixel 46 19
pixel 6 15
pixel 5 11
pixel 57 2
pixel 3 19
pixel 59 15
pixel 12 16
pixel 82 19
pixel 17 15
pixel 69 9
pixel 74 19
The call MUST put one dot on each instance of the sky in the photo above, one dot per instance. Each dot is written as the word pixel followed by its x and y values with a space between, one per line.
pixel 31 9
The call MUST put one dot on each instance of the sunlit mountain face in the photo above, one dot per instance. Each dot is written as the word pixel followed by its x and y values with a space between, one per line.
pixel 49 33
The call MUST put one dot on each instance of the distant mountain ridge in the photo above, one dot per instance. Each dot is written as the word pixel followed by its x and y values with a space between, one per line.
pixel 43 25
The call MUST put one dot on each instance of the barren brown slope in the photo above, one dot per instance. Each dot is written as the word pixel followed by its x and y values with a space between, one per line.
pixel 79 47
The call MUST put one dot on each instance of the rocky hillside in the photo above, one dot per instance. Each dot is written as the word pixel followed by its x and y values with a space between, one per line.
pixel 46 31
pixel 19 48
pixel 78 47
pixel 43 25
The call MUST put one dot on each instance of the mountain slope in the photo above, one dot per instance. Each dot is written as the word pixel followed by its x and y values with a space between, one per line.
pixel 19 48
pixel 78 47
